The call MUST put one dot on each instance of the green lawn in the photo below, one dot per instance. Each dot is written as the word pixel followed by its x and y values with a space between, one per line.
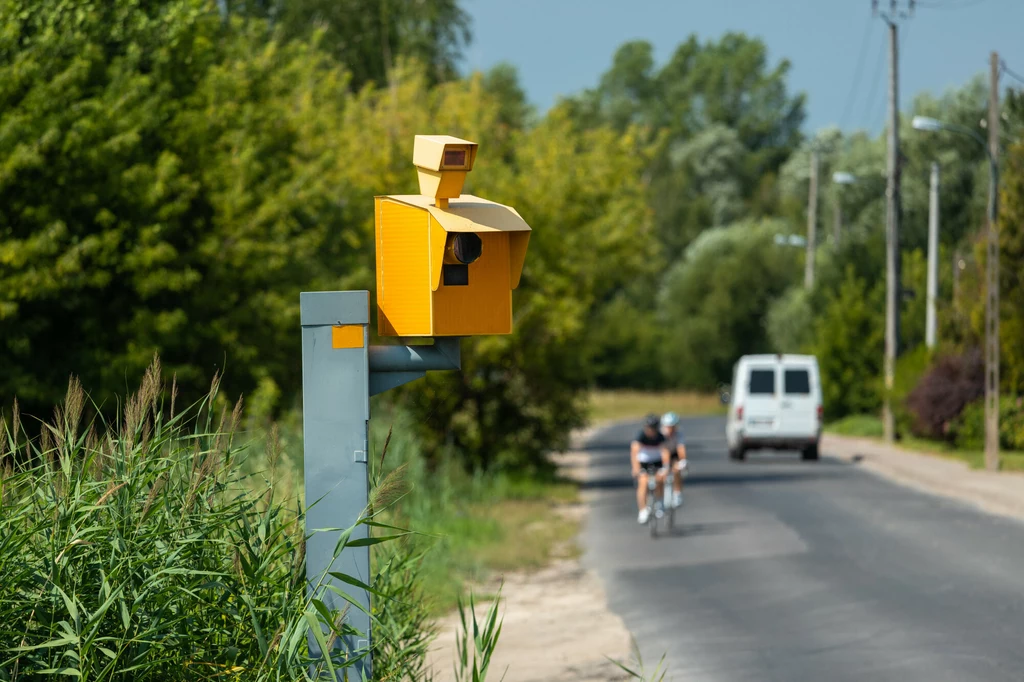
pixel 859 426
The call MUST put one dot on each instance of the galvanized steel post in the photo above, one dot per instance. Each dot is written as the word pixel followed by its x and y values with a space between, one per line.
pixel 335 416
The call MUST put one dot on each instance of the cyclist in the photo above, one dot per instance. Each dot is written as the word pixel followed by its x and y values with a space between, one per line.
pixel 649 456
pixel 677 452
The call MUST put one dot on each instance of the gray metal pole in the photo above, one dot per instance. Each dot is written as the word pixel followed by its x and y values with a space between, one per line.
pixel 992 279
pixel 933 257
pixel 335 415
pixel 892 233
pixel 812 221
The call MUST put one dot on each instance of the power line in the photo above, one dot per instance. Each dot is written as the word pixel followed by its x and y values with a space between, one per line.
pixel 894 15
pixel 1009 72
pixel 878 71
pixel 951 5
pixel 855 88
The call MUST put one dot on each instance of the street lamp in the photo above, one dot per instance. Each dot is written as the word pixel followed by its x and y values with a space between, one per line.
pixel 839 178
pixel 992 285
pixel 790 240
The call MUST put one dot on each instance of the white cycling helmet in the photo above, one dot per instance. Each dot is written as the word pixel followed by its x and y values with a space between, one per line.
pixel 670 419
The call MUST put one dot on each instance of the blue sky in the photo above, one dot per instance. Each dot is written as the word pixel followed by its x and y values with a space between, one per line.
pixel 563 46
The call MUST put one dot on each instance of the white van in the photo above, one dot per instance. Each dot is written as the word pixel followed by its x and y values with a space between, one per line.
pixel 775 403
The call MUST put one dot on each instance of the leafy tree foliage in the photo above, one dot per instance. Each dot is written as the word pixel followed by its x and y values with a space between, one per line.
pixel 1011 261
pixel 713 303
pixel 168 185
pixel 848 345
pixel 720 97
pixel 369 38
pixel 789 322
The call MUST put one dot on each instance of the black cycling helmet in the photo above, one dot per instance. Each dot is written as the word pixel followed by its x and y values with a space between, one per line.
pixel 652 421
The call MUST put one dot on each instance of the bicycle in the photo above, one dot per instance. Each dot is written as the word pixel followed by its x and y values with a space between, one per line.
pixel 658 509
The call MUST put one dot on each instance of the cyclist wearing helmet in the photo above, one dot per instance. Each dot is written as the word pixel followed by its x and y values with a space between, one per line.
pixel 677 451
pixel 649 456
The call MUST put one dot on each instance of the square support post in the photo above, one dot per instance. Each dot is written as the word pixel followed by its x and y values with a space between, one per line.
pixel 335 416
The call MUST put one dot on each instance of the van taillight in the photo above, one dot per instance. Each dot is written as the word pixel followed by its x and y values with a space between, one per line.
pixel 739 412
pixel 821 413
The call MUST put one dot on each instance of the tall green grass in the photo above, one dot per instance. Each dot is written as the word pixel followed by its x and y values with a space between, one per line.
pixel 160 545
pixel 468 524
pixel 137 549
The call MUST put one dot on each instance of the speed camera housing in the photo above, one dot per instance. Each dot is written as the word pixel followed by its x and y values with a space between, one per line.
pixel 447 262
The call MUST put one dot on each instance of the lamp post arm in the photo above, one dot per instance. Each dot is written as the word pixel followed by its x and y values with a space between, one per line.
pixel 964 130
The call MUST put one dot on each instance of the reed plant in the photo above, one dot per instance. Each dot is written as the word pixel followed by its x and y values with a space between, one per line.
pixel 136 549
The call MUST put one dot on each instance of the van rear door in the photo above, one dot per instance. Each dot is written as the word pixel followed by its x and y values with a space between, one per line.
pixel 798 414
pixel 761 407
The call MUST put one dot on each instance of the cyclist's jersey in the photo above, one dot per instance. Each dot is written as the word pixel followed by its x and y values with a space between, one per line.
pixel 650 447
pixel 673 442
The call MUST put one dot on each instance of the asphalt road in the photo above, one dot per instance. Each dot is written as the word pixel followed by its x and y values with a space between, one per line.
pixel 785 570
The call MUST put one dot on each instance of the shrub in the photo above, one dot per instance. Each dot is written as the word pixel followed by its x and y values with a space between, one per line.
pixel 909 370
pixel 968 430
pixel 952 383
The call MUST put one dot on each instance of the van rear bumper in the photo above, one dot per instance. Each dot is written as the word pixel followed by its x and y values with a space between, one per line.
pixel 778 442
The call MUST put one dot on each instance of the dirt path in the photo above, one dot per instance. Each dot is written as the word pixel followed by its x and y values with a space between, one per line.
pixel 557 625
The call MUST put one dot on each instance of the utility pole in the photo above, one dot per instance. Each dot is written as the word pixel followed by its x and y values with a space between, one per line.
pixel 837 220
pixel 992 280
pixel 957 257
pixel 892 236
pixel 812 221
pixel 933 256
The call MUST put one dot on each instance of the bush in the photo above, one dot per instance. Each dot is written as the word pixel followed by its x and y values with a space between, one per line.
pixel 909 370
pixel 952 383
pixel 968 430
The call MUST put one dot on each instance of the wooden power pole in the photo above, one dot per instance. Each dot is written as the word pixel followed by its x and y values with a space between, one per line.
pixel 892 236
pixel 812 221
pixel 992 279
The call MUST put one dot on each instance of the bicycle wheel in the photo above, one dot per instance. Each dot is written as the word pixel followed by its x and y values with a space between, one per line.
pixel 652 513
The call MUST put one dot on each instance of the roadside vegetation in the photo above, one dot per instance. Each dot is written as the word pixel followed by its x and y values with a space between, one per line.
pixel 173 174
pixel 611 405
pixel 867 426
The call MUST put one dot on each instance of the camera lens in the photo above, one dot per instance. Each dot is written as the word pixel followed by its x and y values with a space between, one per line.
pixel 466 247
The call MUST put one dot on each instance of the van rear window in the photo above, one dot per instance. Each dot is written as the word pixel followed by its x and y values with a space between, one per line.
pixel 762 382
pixel 797 382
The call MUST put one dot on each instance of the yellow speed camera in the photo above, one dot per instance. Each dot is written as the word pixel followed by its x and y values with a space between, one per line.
pixel 447 262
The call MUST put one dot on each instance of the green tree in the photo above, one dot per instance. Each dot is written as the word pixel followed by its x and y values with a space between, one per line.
pixel 626 343
pixel 369 38
pixel 713 303
pixel 1011 254
pixel 727 89
pixel 790 322
pixel 849 339
pixel 168 185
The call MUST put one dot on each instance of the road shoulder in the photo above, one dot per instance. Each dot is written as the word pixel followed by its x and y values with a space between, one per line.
pixel 995 493
pixel 557 625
